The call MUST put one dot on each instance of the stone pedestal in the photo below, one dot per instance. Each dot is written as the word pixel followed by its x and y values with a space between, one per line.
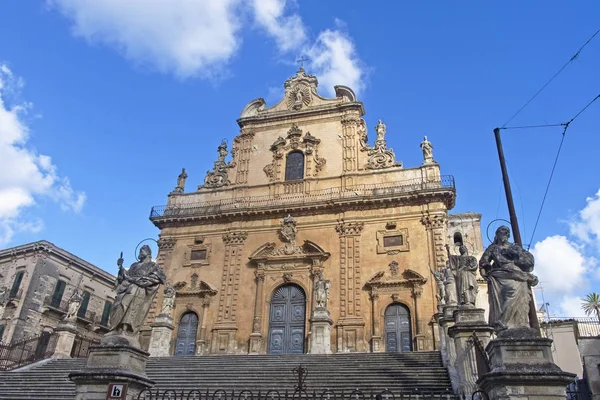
pixel 320 328
pixel 66 332
pixel 160 338
pixel 119 364
pixel 255 343
pixel 377 344
pixel 521 367
pixel 467 321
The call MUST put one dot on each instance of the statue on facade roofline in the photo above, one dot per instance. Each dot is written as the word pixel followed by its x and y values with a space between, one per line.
pixel 507 269
pixel 136 290
pixel 427 148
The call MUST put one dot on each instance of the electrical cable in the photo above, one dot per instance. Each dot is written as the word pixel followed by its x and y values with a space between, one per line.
pixel 566 126
pixel 551 79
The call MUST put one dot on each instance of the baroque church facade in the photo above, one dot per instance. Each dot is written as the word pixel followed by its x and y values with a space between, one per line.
pixel 302 196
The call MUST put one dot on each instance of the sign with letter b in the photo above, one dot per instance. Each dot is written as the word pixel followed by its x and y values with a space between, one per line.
pixel 116 391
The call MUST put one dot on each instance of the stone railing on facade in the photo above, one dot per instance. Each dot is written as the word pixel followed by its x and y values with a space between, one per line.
pixel 292 199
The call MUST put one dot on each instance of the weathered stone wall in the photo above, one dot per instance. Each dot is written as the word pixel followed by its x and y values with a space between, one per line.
pixel 44 264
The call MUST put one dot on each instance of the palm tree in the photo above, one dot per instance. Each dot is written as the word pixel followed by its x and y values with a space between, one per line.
pixel 591 305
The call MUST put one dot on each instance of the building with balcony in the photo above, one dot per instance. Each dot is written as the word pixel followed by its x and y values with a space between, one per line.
pixel 37 281
pixel 303 196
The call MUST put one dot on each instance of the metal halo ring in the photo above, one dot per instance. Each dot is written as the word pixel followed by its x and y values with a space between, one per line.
pixel 487 230
pixel 138 245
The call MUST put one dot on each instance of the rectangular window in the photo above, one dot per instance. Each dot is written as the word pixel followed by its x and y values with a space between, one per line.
pixel 198 255
pixel 391 241
pixel 59 289
pixel 1 333
pixel 16 284
pixel 84 304
pixel 106 313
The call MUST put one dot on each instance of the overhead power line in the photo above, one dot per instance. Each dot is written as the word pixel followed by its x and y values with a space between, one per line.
pixel 573 58
pixel 562 140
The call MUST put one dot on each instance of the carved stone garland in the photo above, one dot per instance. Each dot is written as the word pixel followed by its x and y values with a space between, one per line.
pixel 294 141
pixel 218 177
pixel 380 156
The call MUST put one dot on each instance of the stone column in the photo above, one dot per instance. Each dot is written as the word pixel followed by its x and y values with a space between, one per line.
pixel 468 321
pixel 120 364
pixel 376 341
pixel 256 335
pixel 420 338
pixel 66 332
pixel 201 347
pixel 521 366
pixel 160 338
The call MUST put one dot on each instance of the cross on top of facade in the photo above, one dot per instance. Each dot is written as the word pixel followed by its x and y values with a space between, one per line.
pixel 301 61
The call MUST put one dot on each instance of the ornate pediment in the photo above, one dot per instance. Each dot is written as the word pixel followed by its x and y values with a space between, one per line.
pixel 300 93
pixel 195 288
pixel 309 145
pixel 290 253
pixel 394 278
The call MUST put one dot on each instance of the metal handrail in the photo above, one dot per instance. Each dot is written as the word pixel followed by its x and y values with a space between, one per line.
pixel 351 193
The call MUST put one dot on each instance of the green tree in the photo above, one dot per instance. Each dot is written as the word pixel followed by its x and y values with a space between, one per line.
pixel 591 305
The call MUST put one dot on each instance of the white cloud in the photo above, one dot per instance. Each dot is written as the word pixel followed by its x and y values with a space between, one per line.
pixel 334 59
pixel 586 226
pixel 569 307
pixel 288 31
pixel 25 175
pixel 185 37
pixel 560 265
pixel 197 38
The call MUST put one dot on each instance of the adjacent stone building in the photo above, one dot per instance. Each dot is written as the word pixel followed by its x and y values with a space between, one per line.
pixel 303 196
pixel 38 279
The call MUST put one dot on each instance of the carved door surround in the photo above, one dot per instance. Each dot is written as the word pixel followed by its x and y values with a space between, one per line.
pixel 275 267
pixel 388 287
pixel 195 296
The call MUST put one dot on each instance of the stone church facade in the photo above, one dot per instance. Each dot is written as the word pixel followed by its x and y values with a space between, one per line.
pixel 302 194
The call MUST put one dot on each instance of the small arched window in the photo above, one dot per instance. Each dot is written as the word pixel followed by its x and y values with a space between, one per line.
pixel 294 166
pixel 458 240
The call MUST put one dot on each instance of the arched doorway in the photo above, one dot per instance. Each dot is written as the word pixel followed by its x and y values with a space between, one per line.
pixel 185 343
pixel 286 320
pixel 397 329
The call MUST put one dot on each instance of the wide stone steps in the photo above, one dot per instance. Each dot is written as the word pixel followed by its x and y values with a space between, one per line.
pixel 370 373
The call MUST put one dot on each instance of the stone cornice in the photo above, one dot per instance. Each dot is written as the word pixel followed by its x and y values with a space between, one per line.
pixel 51 249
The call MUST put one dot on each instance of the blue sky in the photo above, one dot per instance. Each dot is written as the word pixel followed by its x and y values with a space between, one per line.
pixel 104 101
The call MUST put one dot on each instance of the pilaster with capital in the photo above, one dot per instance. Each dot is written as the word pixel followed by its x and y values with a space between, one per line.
pixel 241 152
pixel 437 227
pixel 350 123
pixel 350 326
pixel 224 331
pixel 201 347
pixel 376 340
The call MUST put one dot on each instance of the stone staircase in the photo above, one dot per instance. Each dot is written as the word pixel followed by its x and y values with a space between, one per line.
pixel 400 373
